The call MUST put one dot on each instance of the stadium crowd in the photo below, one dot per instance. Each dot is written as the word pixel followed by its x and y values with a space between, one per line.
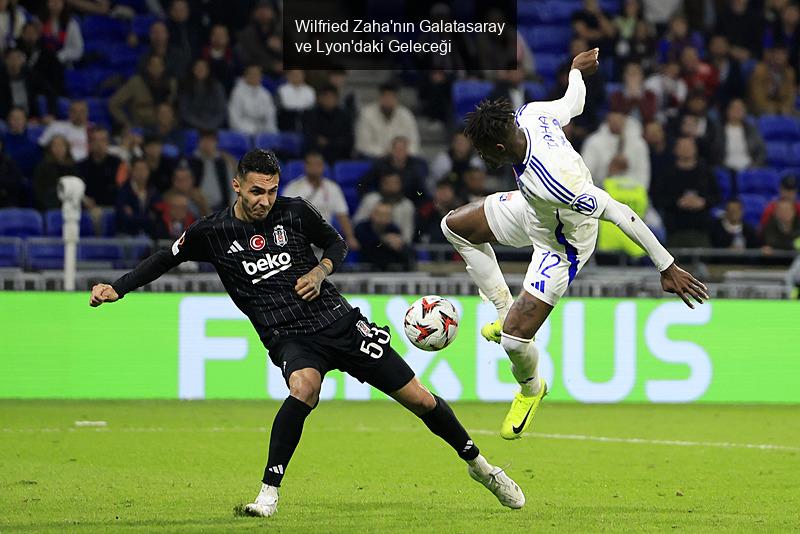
pixel 692 119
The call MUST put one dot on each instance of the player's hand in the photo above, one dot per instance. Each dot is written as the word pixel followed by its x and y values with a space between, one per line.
pixel 102 293
pixel 676 280
pixel 308 286
pixel 587 62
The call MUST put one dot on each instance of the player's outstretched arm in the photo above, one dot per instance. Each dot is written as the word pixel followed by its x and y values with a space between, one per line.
pixel 144 273
pixel 102 293
pixel 571 104
pixel 673 278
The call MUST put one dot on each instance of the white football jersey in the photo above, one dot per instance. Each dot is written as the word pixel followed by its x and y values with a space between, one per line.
pixel 554 179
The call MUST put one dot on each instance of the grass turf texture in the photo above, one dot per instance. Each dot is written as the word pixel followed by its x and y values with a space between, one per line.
pixel 188 466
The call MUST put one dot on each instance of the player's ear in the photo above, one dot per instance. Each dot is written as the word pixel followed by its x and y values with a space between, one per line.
pixel 500 147
pixel 235 183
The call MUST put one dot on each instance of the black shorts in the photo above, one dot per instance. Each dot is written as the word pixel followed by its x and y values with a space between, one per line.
pixel 351 344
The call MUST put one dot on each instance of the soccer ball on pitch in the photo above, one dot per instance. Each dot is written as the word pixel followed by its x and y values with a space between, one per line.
pixel 431 323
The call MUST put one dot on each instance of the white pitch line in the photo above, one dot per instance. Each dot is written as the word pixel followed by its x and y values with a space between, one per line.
pixel 645 441
pixel 479 431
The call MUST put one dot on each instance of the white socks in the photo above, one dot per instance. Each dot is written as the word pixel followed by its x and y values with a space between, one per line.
pixel 524 358
pixel 483 269
pixel 480 465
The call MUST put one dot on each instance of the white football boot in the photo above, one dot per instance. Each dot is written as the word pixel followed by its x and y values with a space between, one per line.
pixel 499 483
pixel 265 504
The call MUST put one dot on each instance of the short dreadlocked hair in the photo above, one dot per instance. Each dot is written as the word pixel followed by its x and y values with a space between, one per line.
pixel 260 161
pixel 490 121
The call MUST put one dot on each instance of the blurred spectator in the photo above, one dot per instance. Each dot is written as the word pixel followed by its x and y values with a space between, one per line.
pixel 461 49
pixel 213 170
pixel 136 201
pixel 619 134
pixel 61 33
pixel 382 121
pixel 782 231
pixel 128 148
pixel 135 103
pixel 18 145
pixel 219 55
pixel 40 60
pixel 183 185
pixel 634 100
pixel 661 157
pixel 12 19
pixel 634 36
pixel 489 47
pixel 161 167
pixel 57 162
pixel 731 231
pixel 184 37
pixel 260 43
pixel 741 145
pixel 689 192
pixel 20 87
pixel 251 109
pixel 91 7
pixel 773 87
pixel 743 25
pixel 175 61
pixel 347 99
pixel 382 245
pixel 324 194
pixel 473 185
pixel 592 24
pixel 509 85
pixel 412 171
pixel 631 193
pixel 678 37
pixel 670 89
pixel 328 128
pixel 786 30
pixel 698 123
pixel 435 95
pixel 659 12
pixel 451 164
pixel 201 99
pixel 11 181
pixel 729 70
pixel 430 214
pixel 75 129
pixel 786 191
pixel 390 191
pixel 294 97
pixel 99 171
pixel 166 127
pixel 175 216
pixel 699 75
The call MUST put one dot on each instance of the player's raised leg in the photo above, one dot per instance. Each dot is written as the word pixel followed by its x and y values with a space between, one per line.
pixel 440 419
pixel 467 229
pixel 304 388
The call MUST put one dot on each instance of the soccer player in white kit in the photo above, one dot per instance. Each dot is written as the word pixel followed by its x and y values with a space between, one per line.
pixel 556 209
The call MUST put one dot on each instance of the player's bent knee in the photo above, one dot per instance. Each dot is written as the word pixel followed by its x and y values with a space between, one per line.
pixel 305 388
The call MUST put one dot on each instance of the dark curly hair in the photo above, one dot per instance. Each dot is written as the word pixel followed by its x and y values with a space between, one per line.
pixel 490 122
pixel 259 161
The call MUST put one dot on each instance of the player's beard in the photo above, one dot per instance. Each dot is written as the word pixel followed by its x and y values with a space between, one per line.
pixel 255 213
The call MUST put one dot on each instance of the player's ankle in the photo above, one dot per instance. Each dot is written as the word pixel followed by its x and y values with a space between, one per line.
pixel 531 388
pixel 480 465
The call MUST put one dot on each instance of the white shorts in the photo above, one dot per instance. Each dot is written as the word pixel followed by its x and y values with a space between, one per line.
pixel 556 260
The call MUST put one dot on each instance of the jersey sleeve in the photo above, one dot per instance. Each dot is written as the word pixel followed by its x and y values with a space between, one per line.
pixel 192 245
pixel 563 109
pixel 577 194
pixel 322 234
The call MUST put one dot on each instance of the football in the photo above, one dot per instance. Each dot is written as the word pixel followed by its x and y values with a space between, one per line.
pixel 431 323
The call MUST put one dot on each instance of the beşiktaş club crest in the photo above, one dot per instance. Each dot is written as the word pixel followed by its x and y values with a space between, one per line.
pixel 257 242
pixel 279 236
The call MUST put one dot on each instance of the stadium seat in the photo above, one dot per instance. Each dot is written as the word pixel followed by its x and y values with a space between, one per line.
pixel 85 82
pixel 20 222
pixel 467 94
pixel 286 144
pixel 547 65
pixel 296 167
pixel 63 107
pixel 547 38
pixel 170 151
pixel 538 91
pixel 139 6
pixel 779 128
pixel 794 156
pixel 190 139
pixel 778 154
pixel 45 253
pixel 54 221
pixel 348 173
pixel 98 111
pixel 759 181
pixel 725 182
pixel 235 143
pixel 141 24
pixel 108 223
pixel 100 250
pixel 11 252
pixel 98 27
pixel 556 11
pixel 34 132
pixel 528 12
pixel 753 206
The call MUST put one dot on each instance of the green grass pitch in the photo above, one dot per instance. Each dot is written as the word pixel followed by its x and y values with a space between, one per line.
pixel 372 467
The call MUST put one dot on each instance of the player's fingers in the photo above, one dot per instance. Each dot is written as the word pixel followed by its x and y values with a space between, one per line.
pixel 685 299
pixel 700 289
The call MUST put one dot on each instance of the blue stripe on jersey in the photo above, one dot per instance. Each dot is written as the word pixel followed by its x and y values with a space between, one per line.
pixel 545 183
pixel 572 252
pixel 553 182
pixel 530 147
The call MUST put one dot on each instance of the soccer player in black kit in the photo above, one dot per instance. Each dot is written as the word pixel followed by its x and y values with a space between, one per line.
pixel 261 249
